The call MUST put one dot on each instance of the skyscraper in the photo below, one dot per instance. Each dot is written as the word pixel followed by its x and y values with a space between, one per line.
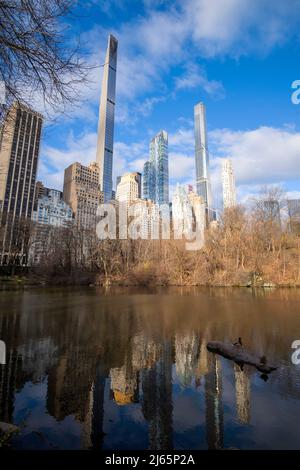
pixel 149 181
pixel 20 138
pixel 128 189
pixel 156 170
pixel 202 155
pixel 159 152
pixel 228 182
pixel 105 141
pixel 138 178
pixel 82 193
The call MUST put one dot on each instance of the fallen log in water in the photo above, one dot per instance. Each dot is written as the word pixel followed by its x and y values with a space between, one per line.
pixel 237 353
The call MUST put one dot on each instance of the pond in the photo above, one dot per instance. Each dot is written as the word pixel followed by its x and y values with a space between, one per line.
pixel 129 368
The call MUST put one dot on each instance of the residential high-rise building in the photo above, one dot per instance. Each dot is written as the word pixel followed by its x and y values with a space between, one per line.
pixel 20 138
pixel 146 212
pixel 156 170
pixel 149 181
pixel 40 191
pixel 127 189
pixel 129 201
pixel 159 156
pixel 82 193
pixel 52 210
pixel 105 141
pixel 51 213
pixel 138 178
pixel 228 182
pixel 187 209
pixel 201 155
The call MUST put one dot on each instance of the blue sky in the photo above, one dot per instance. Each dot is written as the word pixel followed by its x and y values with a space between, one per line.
pixel 238 56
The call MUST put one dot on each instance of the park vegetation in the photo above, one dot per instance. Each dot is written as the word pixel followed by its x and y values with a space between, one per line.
pixel 248 246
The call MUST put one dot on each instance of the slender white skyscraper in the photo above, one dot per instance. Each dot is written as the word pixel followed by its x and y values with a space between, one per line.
pixel 202 155
pixel 228 181
pixel 105 143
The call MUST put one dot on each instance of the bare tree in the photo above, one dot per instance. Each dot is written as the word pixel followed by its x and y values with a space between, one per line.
pixel 36 54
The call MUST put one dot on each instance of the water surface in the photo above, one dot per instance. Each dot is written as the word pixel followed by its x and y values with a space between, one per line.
pixel 120 369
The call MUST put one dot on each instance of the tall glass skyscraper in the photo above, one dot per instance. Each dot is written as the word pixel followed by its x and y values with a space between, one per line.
pixel 149 182
pixel 105 142
pixel 156 170
pixel 202 155
pixel 159 147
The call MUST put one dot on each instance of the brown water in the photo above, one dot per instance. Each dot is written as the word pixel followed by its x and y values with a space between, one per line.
pixel 130 369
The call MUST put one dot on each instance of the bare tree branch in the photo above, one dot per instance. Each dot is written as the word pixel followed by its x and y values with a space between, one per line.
pixel 37 56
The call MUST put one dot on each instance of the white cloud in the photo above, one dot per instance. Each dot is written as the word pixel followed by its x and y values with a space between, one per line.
pixel 194 77
pixel 181 166
pixel 237 27
pixel 263 155
pixel 260 157
pixel 182 139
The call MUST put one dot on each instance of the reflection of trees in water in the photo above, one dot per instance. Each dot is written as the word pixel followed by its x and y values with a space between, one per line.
pixel 77 342
pixel 10 372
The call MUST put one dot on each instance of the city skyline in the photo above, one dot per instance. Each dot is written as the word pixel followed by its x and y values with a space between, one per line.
pixel 229 76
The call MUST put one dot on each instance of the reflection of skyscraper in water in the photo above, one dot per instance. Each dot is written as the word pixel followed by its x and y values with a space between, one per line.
pixel 242 391
pixel 93 424
pixel 124 384
pixel 9 373
pixel 157 400
pixel 186 354
pixel 202 366
pixel 214 407
pixel 145 351
pixel 70 381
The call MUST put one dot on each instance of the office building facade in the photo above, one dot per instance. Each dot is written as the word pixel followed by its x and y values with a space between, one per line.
pixel 82 193
pixel 19 153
